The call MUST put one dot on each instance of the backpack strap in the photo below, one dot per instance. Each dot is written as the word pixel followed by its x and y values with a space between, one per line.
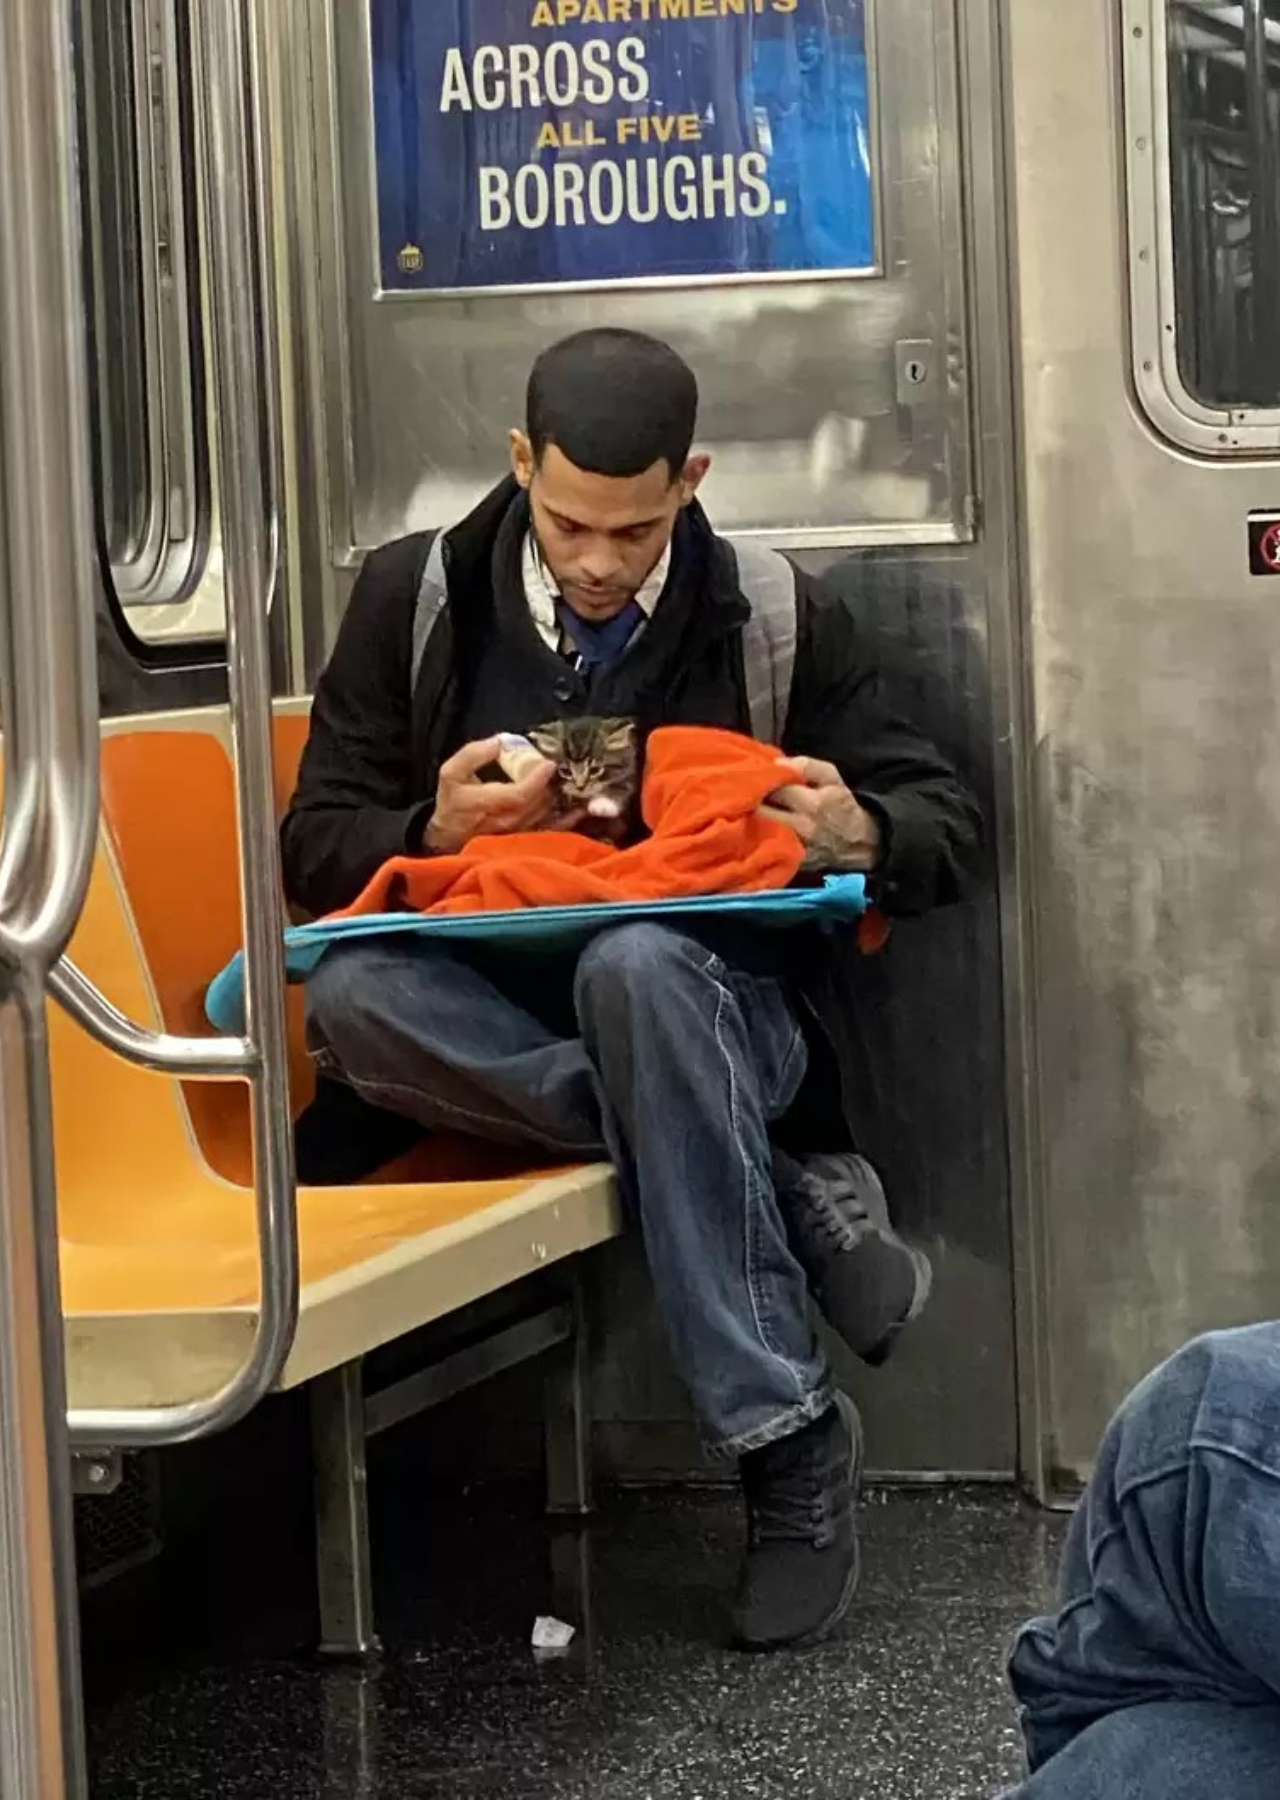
pixel 767 582
pixel 433 591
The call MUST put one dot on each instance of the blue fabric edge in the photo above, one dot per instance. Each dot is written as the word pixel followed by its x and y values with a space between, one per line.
pixel 841 898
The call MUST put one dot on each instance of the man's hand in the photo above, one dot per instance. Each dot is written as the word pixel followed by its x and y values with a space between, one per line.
pixel 840 837
pixel 467 807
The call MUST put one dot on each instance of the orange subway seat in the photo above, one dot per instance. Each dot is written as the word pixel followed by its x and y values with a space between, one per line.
pixel 144 1224
pixel 168 802
pixel 155 1211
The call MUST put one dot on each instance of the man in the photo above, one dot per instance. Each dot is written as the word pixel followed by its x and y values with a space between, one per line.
pixel 590 583
pixel 1160 1677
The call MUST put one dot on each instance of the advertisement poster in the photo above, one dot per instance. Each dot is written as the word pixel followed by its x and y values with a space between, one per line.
pixel 532 143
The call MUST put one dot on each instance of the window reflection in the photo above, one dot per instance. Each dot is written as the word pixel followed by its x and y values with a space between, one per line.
pixel 143 287
pixel 125 423
pixel 1224 118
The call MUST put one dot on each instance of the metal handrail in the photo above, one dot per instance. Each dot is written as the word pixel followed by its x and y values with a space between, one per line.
pixel 48 834
pixel 222 35
pixel 190 1058
pixel 50 818
pixel 50 812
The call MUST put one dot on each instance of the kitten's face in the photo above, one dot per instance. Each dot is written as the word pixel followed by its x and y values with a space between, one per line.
pixel 596 759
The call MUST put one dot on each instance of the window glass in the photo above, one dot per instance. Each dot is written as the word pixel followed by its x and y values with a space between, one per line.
pixel 148 355
pixel 1224 139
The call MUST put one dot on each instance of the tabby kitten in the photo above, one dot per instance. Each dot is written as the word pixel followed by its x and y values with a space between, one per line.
pixel 597 773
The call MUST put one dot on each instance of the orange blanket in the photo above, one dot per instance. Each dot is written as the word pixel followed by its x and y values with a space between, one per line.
pixel 700 797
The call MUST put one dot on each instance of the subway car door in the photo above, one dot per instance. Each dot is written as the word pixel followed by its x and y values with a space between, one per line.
pixel 781 192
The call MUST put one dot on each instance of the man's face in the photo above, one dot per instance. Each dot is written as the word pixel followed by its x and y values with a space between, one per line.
pixel 601 536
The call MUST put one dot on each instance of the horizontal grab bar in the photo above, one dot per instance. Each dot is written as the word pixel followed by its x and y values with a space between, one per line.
pixel 203 1059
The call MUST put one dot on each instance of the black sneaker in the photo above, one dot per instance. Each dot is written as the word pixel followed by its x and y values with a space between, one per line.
pixel 801 1568
pixel 868 1282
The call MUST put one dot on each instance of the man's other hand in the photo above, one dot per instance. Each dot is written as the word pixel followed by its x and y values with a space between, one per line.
pixel 839 836
pixel 467 807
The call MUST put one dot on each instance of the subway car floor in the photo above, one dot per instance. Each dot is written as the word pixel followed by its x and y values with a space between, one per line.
pixel 197 1686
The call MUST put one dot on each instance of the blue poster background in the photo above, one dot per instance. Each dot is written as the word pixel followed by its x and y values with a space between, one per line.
pixel 790 87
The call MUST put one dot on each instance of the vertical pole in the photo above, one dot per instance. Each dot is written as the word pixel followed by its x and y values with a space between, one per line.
pixel 41 1731
pixel 47 590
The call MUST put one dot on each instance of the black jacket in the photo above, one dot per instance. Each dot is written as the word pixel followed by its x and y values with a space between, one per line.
pixel 369 772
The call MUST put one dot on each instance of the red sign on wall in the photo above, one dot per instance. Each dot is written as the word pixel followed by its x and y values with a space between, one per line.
pixel 1264 543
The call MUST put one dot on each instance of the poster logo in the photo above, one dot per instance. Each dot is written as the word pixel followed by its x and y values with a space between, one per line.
pixel 1264 543
pixel 530 143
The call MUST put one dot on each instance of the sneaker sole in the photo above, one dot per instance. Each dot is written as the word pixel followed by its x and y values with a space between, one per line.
pixel 879 1354
pixel 849 1413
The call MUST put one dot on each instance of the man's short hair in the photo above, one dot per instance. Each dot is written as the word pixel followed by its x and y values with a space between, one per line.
pixel 613 402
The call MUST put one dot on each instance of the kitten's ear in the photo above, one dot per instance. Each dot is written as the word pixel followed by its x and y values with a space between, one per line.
pixel 621 735
pixel 545 740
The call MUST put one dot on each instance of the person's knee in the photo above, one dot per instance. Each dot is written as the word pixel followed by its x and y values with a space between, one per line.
pixel 344 986
pixel 632 963
pixel 1164 1750
pixel 1247 1357
pixel 1218 1382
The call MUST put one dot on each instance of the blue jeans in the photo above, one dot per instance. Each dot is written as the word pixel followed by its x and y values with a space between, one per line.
pixel 655 1051
pixel 1160 1676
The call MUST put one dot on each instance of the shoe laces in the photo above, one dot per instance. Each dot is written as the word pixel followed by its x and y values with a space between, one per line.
pixel 796 1493
pixel 834 1208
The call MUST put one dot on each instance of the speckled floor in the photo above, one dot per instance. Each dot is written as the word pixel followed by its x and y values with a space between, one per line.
pixel 649 1704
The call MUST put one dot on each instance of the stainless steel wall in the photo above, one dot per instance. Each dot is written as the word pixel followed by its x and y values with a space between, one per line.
pixel 932 1111
pixel 802 401
pixel 1149 824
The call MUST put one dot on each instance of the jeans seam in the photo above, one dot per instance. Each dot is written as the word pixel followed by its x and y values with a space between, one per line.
pixel 1172 1470
pixel 1203 1446
pixel 712 968
pixel 380 1091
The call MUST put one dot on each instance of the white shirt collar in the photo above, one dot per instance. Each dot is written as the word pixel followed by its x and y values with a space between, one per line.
pixel 541 592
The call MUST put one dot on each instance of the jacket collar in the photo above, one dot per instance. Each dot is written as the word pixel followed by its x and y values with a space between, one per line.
pixel 469 551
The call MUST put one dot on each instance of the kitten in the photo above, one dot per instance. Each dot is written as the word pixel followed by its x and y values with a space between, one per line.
pixel 597 773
